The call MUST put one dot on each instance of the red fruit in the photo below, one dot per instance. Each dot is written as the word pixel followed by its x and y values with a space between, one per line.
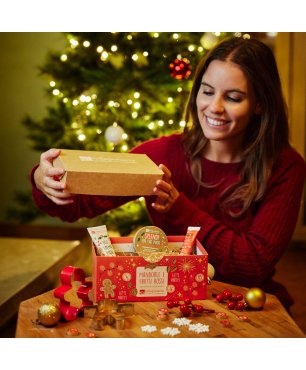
pixel 176 303
pixel 240 306
pixel 197 308
pixel 239 297
pixel 186 311
pixel 227 294
pixel 231 305
pixel 170 304
pixel 219 298
pixel 187 301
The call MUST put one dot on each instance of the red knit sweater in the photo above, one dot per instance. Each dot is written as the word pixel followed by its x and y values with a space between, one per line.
pixel 243 251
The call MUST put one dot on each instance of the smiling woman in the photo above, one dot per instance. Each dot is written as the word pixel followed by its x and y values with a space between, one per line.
pixel 225 103
pixel 232 172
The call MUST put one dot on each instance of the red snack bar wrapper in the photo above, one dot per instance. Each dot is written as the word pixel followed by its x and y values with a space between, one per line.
pixel 189 240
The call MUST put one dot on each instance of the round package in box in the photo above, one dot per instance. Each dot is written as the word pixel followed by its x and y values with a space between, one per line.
pixel 151 243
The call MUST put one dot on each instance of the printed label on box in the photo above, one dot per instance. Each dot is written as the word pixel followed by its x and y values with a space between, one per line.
pixel 85 158
pixel 151 283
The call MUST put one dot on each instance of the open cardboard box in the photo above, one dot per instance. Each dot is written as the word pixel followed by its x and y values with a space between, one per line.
pixel 132 278
pixel 105 173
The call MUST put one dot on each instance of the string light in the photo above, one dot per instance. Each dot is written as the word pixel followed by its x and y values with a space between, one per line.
pixel 182 124
pixel 52 83
pixel 104 55
pixel 81 137
pixel 64 57
pixel 55 92
pixel 100 49
pixel 86 44
pixel 75 102
pixel 170 100
pixel 73 43
pixel 124 148
pixel 114 48
pixel 136 95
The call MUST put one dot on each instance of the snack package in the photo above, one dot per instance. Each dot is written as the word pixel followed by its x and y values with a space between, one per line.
pixel 100 238
pixel 151 243
pixel 189 240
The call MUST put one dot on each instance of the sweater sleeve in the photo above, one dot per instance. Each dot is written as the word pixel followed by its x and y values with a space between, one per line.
pixel 249 256
pixel 88 206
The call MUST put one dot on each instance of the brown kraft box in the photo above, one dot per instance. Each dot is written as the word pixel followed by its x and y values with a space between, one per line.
pixel 107 173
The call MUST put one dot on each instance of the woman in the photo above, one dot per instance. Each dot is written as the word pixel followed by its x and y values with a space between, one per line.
pixel 232 171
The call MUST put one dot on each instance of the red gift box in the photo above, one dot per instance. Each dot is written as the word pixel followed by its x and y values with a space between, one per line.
pixel 130 278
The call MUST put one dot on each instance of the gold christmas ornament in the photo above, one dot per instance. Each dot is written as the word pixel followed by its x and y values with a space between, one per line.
pixel 210 271
pixel 48 314
pixel 255 298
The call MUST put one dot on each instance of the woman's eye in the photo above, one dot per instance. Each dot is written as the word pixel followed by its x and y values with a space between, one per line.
pixel 234 99
pixel 206 92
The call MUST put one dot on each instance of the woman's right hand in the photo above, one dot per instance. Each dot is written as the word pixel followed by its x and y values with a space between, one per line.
pixel 47 178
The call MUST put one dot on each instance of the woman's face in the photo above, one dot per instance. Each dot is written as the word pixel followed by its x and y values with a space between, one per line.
pixel 225 102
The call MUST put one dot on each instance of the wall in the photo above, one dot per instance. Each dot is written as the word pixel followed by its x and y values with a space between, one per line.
pixel 22 92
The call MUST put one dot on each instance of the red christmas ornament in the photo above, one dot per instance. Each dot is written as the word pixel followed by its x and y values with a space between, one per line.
pixel 180 68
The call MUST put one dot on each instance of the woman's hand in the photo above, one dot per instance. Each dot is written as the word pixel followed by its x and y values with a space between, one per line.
pixel 166 193
pixel 47 178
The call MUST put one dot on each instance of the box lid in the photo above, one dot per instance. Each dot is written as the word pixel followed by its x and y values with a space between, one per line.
pixel 108 173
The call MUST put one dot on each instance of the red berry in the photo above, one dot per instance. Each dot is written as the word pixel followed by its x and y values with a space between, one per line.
pixel 219 298
pixel 239 297
pixel 231 305
pixel 197 308
pixel 186 311
pixel 240 306
pixel 170 304
pixel 227 294
pixel 176 303
pixel 187 301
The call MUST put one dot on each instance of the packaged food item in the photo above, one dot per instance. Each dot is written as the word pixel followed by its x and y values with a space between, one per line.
pixel 100 238
pixel 151 243
pixel 189 240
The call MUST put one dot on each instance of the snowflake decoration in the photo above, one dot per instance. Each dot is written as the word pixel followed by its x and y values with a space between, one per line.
pixel 181 321
pixel 199 328
pixel 170 331
pixel 149 328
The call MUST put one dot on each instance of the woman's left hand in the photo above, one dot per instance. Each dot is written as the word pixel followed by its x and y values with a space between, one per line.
pixel 165 191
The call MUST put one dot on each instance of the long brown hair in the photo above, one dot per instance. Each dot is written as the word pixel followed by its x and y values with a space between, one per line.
pixel 264 138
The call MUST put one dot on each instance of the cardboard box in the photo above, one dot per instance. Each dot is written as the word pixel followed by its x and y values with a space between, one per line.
pixel 105 173
pixel 132 278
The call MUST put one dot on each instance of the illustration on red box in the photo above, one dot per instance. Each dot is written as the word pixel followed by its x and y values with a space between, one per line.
pixel 128 276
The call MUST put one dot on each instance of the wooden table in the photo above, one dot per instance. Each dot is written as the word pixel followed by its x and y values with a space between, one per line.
pixel 29 267
pixel 272 321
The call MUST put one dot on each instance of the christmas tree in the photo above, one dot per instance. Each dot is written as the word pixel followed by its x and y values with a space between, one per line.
pixel 111 91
